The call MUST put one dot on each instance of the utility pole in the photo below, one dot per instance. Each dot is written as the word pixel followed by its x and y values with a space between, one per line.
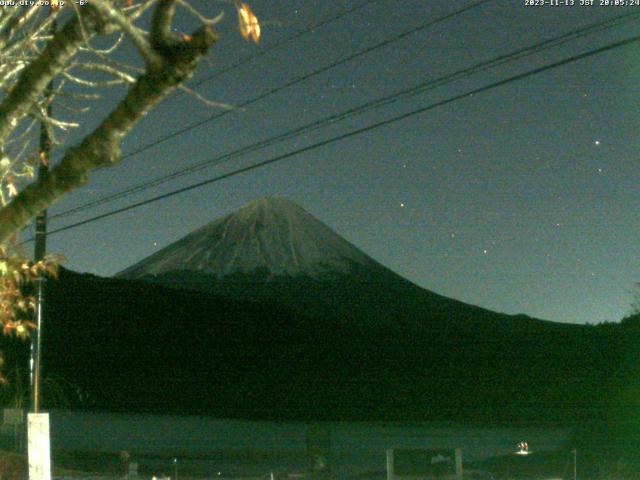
pixel 40 250
pixel 38 431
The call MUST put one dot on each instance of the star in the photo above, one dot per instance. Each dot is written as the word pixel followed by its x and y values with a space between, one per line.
pixel 401 205
pixel 596 143
pixel 485 251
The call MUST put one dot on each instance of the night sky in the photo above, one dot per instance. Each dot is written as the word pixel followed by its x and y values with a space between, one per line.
pixel 522 199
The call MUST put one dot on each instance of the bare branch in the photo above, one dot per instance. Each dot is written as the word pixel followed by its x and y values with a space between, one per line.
pixel 138 36
pixel 74 110
pixel 161 35
pixel 79 95
pixel 106 51
pixel 35 77
pixel 204 20
pixel 15 21
pixel 19 138
pixel 106 69
pixel 8 77
pixel 206 101
pixel 96 84
pixel 102 146
pixel 23 150
pixel 135 11
pixel 61 124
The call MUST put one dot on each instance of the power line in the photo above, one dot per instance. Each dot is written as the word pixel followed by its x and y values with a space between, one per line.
pixel 280 43
pixel 307 76
pixel 402 94
pixel 358 131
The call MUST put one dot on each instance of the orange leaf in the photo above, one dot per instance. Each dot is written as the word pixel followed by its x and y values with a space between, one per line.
pixel 13 191
pixel 248 23
pixel 43 158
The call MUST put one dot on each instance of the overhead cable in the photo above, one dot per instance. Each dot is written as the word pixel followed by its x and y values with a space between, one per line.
pixel 358 131
pixel 334 118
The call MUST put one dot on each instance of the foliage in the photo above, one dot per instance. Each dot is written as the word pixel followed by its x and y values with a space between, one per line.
pixel 16 276
pixel 17 301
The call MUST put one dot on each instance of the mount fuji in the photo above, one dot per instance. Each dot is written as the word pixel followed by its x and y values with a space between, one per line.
pixel 273 249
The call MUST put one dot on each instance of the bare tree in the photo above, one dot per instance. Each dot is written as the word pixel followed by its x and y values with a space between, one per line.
pixel 32 56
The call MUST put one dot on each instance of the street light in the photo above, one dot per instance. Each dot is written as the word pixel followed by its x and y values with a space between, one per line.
pixel 523 449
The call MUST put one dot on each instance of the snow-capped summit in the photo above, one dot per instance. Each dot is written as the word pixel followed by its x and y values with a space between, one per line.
pixel 272 235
